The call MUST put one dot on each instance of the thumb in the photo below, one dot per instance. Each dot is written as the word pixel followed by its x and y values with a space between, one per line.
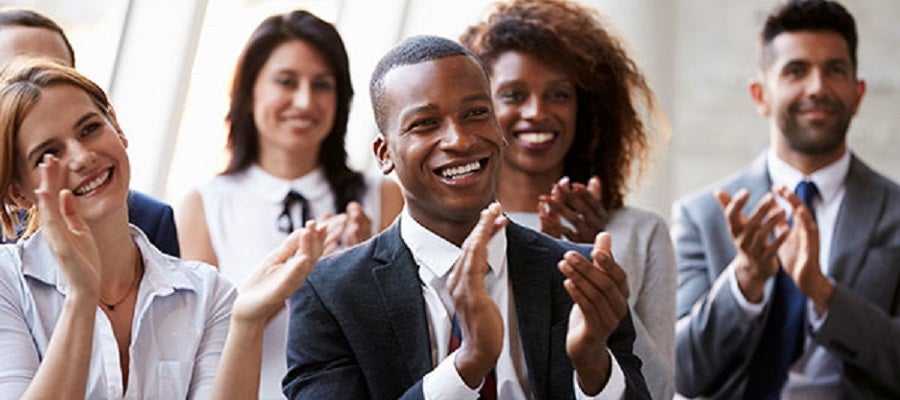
pixel 603 242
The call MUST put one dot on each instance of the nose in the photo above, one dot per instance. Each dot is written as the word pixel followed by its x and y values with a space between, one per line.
pixel 302 95
pixel 457 139
pixel 80 156
pixel 815 82
pixel 533 108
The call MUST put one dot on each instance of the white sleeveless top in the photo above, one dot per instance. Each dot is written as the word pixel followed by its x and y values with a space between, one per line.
pixel 241 213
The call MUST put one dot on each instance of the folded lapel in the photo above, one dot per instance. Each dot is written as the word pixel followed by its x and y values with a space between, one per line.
pixel 530 274
pixel 862 205
pixel 398 281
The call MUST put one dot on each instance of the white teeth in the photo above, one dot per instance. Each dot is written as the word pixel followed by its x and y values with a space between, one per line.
pixel 457 172
pixel 535 137
pixel 300 122
pixel 90 186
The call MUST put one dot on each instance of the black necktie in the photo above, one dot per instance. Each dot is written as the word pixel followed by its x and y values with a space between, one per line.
pixel 285 219
pixel 783 336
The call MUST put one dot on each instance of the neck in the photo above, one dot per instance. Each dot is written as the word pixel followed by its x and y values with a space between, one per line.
pixel 518 190
pixel 288 165
pixel 117 259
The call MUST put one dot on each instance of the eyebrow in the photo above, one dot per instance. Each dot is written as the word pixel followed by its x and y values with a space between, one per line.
pixel 43 145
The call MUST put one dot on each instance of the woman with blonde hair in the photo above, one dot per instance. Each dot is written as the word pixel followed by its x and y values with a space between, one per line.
pixel 88 307
pixel 570 101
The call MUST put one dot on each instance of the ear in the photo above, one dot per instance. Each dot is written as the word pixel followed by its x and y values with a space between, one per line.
pixel 380 148
pixel 860 92
pixel 114 120
pixel 757 91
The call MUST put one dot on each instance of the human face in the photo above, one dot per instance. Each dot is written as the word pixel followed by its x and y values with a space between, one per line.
pixel 441 137
pixel 65 123
pixel 29 41
pixel 809 93
pixel 294 100
pixel 536 106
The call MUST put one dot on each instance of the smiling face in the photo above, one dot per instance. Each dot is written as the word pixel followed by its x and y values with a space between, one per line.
pixel 810 93
pixel 65 123
pixel 294 100
pixel 536 107
pixel 441 137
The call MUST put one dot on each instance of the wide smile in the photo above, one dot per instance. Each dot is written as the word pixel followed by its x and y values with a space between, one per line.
pixel 535 139
pixel 295 122
pixel 93 183
pixel 460 173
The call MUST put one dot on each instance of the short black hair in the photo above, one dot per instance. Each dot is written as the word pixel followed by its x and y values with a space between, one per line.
pixel 808 15
pixel 413 50
pixel 34 19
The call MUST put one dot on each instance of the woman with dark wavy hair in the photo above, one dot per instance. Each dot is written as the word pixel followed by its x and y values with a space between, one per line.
pixel 570 101
pixel 290 100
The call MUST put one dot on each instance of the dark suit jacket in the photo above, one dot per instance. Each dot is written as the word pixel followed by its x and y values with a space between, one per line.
pixel 155 218
pixel 714 347
pixel 359 330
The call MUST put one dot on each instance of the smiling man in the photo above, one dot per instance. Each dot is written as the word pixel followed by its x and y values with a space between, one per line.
pixel 809 312
pixel 452 302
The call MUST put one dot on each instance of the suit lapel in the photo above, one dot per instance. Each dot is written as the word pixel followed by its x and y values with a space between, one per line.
pixel 531 283
pixel 856 221
pixel 398 281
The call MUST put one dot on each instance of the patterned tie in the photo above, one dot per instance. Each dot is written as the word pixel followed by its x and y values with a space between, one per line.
pixel 285 220
pixel 489 388
pixel 783 336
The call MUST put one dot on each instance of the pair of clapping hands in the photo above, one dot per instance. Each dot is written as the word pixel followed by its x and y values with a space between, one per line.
pixel 765 242
pixel 598 288
pixel 577 203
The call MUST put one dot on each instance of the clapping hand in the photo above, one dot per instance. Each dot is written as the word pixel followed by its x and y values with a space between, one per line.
pixel 757 250
pixel 280 274
pixel 480 322
pixel 599 289
pixel 68 235
pixel 579 204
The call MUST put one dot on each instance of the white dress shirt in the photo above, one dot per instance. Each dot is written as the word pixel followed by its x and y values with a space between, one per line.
pixel 817 373
pixel 181 318
pixel 435 257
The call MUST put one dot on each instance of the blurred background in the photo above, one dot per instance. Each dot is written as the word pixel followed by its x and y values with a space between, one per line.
pixel 167 65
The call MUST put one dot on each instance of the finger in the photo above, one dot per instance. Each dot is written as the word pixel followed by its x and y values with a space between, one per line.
pixel 732 210
pixel 285 249
pixel 594 187
pixel 472 264
pixel 603 259
pixel 69 214
pixel 593 302
pixel 590 207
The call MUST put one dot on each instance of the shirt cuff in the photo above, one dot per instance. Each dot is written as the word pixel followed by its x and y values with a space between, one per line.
pixel 815 319
pixel 444 382
pixel 615 385
pixel 750 310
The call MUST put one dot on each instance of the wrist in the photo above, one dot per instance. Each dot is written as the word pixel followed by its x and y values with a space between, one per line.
pixel 471 367
pixel 593 376
pixel 821 294
pixel 750 282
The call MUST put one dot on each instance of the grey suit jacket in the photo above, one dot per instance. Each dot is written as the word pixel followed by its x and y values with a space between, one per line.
pixel 714 346
pixel 359 330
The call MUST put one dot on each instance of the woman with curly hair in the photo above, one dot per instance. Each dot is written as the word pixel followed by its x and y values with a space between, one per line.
pixel 570 101
pixel 290 100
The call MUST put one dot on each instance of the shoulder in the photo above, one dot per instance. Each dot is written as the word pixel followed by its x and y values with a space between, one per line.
pixel 536 241
pixel 351 265
pixel 10 264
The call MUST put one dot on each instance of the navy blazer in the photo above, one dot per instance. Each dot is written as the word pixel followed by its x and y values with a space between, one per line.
pixel 156 219
pixel 359 330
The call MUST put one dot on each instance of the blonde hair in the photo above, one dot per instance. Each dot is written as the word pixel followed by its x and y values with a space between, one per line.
pixel 21 85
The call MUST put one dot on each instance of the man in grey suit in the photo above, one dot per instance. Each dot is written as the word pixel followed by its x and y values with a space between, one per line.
pixel 537 318
pixel 740 265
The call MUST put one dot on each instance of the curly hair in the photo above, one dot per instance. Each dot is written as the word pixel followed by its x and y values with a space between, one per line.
pixel 243 137
pixel 611 139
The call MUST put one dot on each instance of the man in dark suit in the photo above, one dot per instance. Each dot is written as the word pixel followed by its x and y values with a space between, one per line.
pixel 381 320
pixel 28 33
pixel 809 310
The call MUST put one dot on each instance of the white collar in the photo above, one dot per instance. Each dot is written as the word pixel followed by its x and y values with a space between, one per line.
pixel 312 186
pixel 828 179
pixel 438 255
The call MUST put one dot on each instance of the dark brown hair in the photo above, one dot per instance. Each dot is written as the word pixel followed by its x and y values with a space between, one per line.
pixel 610 134
pixel 243 137
pixel 33 19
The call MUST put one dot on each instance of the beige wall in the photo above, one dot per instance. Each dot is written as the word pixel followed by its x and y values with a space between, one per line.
pixel 700 64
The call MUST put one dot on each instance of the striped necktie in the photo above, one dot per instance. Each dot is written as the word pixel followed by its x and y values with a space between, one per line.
pixel 489 388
